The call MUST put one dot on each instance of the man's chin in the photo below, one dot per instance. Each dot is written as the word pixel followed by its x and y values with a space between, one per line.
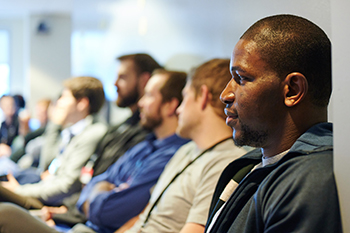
pixel 250 138
pixel 120 104
pixel 238 141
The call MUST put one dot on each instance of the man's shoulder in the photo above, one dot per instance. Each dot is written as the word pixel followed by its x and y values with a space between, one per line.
pixel 185 150
pixel 313 160
pixel 96 128
pixel 303 171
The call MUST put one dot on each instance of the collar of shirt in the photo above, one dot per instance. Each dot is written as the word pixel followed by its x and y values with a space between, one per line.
pixel 75 129
pixel 273 159
pixel 157 143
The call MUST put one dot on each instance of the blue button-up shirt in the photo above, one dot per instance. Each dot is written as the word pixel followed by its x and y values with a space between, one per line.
pixel 140 168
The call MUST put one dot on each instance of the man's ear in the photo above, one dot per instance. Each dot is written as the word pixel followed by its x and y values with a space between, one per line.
pixel 204 96
pixel 83 103
pixel 171 106
pixel 142 80
pixel 295 89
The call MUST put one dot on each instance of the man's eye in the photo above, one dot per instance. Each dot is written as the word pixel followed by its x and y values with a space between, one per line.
pixel 240 79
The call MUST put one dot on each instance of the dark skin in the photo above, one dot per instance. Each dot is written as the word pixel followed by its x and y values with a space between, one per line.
pixel 277 109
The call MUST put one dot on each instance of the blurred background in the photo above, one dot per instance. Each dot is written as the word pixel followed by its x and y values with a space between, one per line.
pixel 43 42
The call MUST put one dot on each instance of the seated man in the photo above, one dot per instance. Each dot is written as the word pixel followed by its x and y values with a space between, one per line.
pixel 133 74
pixel 10 126
pixel 70 139
pixel 277 100
pixel 181 199
pixel 122 192
pixel 26 152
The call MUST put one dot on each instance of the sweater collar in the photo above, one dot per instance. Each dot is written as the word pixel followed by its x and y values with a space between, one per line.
pixel 318 138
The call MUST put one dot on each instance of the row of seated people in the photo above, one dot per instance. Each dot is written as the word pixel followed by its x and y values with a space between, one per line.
pixel 119 194
pixel 17 126
pixel 276 99
pixel 25 150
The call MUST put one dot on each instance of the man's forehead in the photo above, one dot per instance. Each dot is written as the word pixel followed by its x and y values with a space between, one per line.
pixel 7 99
pixel 244 46
pixel 66 91
pixel 156 81
pixel 126 66
pixel 244 51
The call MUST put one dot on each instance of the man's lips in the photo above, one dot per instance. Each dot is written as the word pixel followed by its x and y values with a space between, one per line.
pixel 231 114
pixel 231 117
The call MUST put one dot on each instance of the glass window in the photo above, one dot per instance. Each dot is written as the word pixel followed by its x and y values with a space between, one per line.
pixel 4 62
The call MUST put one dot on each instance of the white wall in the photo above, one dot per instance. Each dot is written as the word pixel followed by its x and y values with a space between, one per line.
pixel 341 107
pixel 49 56
pixel 38 62
pixel 179 34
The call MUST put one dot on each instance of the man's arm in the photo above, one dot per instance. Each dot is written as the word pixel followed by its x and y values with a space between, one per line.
pixel 116 207
pixel 302 199
pixel 192 228
pixel 85 197
pixel 99 188
pixel 128 225
pixel 25 202
pixel 77 152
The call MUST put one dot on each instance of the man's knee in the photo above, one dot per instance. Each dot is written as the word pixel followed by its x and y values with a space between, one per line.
pixel 8 209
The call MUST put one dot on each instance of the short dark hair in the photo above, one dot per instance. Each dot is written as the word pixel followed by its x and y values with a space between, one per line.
pixel 215 74
pixel 289 43
pixel 89 87
pixel 20 101
pixel 172 88
pixel 143 62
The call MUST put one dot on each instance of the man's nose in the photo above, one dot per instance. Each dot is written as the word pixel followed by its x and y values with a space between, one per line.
pixel 227 96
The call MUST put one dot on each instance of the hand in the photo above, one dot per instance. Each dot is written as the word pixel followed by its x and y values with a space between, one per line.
pixel 48 211
pixel 100 187
pixel 103 186
pixel 50 223
pixel 24 117
pixel 11 184
pixel 44 175
pixel 121 187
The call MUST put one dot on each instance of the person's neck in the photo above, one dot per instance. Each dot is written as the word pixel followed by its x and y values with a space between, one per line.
pixel 211 133
pixel 133 108
pixel 288 133
pixel 8 120
pixel 166 129
pixel 75 120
